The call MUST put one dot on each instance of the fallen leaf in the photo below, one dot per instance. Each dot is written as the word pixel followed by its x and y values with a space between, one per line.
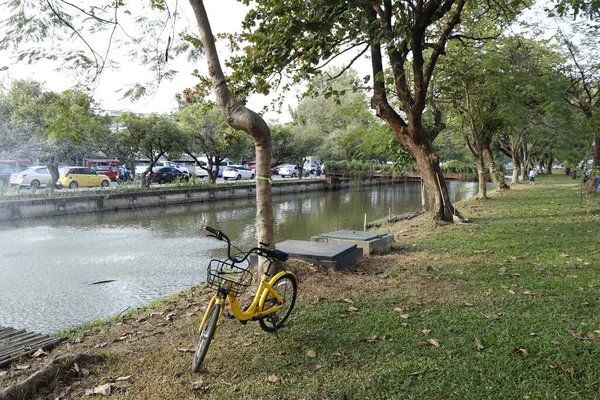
pixel 273 378
pixel 311 353
pixel 103 390
pixel 564 255
pixel 520 351
pixel 554 341
pixel 478 344
pixel 338 354
pixel 282 352
pixel 247 344
pixel 123 378
pixel 185 350
pixel 170 316
pixel 511 292
pixel 492 317
pixel 348 301
pixel 425 331
pixel 199 385
pixel 352 309
pixel 39 353
pixel 528 293
pixel 578 336
pixel 433 342
pixel 398 309
pixel 23 367
pixel 62 393
pixel 371 339
pixel 404 316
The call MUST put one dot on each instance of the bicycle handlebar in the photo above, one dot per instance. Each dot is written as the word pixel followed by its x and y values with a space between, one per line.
pixel 270 254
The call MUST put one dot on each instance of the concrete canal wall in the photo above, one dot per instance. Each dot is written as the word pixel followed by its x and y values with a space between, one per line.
pixel 75 203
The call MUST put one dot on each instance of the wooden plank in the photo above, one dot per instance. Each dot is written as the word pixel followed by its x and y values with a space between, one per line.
pixel 15 344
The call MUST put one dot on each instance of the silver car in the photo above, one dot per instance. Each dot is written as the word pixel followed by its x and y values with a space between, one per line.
pixel 32 177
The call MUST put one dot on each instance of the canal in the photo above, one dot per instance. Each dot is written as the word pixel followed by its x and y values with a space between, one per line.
pixel 50 268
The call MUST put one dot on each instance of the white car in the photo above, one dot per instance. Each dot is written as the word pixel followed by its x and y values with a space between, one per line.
pixel 237 172
pixel 32 177
pixel 290 170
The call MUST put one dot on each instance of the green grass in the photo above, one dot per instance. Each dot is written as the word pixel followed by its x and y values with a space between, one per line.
pixel 505 307
pixel 532 271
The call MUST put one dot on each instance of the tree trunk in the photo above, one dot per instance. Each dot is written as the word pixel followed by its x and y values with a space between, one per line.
pixel 58 369
pixel 54 175
pixel 433 180
pixel 496 175
pixel 240 117
pixel 595 165
pixel 482 182
pixel 515 171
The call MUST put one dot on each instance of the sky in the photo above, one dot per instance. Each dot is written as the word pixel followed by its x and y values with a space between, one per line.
pixel 224 15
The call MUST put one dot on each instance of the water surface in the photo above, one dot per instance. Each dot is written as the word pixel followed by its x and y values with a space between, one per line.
pixel 48 267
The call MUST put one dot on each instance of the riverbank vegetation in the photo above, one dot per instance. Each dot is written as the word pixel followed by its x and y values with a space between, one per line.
pixel 504 307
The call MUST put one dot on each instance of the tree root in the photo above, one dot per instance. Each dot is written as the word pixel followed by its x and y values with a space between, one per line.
pixel 59 368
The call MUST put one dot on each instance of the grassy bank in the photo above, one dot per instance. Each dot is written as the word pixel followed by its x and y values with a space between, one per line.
pixel 505 307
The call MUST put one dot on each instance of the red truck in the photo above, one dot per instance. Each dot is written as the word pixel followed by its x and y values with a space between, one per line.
pixel 103 166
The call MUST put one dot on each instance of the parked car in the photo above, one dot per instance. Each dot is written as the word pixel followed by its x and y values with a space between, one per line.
pixel 289 170
pixel 8 167
pixel 275 169
pixel 103 166
pixel 32 177
pixel 168 175
pixel 162 163
pixel 237 172
pixel 74 177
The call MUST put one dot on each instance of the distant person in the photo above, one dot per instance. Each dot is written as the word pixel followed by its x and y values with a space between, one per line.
pixel 532 174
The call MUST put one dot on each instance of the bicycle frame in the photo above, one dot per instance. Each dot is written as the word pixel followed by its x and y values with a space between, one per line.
pixel 254 310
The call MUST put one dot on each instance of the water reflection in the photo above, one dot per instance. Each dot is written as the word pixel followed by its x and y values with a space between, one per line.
pixel 48 266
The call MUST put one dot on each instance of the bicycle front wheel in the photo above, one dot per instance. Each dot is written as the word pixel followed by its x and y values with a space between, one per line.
pixel 287 286
pixel 206 335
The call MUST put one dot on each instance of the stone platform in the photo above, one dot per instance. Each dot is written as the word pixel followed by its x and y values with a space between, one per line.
pixel 330 255
pixel 369 242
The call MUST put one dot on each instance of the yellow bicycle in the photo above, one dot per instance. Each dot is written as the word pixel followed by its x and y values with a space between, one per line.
pixel 272 304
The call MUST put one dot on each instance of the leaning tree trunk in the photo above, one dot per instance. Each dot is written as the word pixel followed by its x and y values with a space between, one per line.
pixel 497 176
pixel 239 117
pixel 433 179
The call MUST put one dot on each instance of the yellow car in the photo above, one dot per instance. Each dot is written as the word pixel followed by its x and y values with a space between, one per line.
pixel 74 177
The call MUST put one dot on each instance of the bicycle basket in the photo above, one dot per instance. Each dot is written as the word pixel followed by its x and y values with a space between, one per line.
pixel 220 272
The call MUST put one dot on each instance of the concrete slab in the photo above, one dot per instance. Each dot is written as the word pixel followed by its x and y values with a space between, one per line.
pixel 369 242
pixel 331 255
pixel 351 235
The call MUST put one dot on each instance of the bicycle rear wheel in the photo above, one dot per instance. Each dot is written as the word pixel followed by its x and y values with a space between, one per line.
pixel 287 286
pixel 206 335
